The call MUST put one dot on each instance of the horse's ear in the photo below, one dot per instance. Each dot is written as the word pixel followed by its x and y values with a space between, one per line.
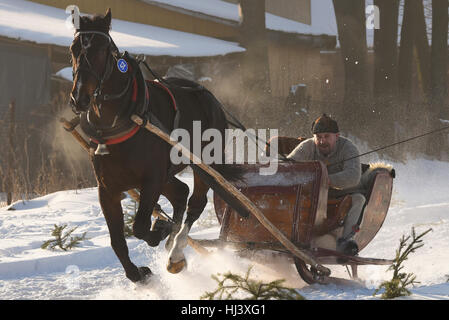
pixel 107 18
pixel 82 22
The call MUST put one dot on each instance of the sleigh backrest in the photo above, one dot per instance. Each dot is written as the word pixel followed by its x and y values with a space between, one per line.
pixel 293 199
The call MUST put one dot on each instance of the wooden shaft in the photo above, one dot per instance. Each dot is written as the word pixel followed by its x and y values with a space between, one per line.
pixel 68 125
pixel 237 194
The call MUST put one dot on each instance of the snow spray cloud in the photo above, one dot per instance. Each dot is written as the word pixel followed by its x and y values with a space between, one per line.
pixel 209 145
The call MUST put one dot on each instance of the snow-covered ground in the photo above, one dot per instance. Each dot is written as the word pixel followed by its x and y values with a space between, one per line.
pixel 92 271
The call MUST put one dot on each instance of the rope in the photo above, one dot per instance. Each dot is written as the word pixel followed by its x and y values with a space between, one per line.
pixel 394 144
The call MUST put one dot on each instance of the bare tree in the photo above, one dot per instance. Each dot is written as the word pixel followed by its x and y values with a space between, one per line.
pixel 422 48
pixel 414 47
pixel 386 50
pixel 439 53
pixel 406 51
pixel 350 17
pixel 253 37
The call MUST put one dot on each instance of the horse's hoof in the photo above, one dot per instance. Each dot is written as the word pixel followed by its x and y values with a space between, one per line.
pixel 176 267
pixel 145 273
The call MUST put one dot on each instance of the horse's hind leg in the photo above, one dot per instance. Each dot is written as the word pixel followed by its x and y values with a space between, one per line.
pixel 197 202
pixel 112 211
pixel 176 192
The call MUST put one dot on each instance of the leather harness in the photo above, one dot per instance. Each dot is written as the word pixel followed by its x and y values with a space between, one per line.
pixel 137 101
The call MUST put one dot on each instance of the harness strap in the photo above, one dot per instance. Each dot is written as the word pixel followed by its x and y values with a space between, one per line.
pixel 173 100
pixel 123 133
pixel 121 138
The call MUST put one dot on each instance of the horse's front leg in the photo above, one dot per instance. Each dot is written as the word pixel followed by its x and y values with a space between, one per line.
pixel 112 211
pixel 149 195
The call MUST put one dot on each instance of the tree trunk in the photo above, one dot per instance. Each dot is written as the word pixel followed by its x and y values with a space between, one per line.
pixel 385 89
pixel 386 50
pixel 438 76
pixel 10 172
pixel 422 48
pixel 439 91
pixel 253 37
pixel 406 52
pixel 350 16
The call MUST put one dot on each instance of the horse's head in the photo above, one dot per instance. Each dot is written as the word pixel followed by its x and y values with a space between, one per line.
pixel 91 52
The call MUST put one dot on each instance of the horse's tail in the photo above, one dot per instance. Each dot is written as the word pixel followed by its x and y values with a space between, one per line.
pixel 231 173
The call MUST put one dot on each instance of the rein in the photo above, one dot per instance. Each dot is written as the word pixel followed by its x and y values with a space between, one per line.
pixel 394 144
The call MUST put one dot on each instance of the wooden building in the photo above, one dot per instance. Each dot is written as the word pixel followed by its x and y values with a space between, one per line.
pixel 294 57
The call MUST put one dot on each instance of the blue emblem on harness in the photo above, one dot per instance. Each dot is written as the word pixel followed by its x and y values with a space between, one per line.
pixel 122 65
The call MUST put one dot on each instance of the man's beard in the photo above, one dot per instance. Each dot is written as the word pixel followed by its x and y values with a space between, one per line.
pixel 324 149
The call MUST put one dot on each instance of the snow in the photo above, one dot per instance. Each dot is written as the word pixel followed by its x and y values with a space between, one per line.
pixel 92 271
pixel 30 21
pixel 323 18
pixel 65 73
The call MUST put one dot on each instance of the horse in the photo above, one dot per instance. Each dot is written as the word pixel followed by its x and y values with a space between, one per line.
pixel 108 87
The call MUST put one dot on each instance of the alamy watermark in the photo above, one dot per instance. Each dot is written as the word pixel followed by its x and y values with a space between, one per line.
pixel 72 21
pixel 72 281
pixel 373 18
pixel 235 147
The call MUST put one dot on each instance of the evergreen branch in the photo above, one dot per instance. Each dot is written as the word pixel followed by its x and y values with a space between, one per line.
pixel 231 283
pixel 397 286
pixel 60 240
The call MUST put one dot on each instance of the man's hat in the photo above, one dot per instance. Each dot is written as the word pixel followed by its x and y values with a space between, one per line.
pixel 325 124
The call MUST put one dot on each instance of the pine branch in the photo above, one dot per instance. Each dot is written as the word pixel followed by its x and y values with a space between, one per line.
pixel 129 219
pixel 62 240
pixel 231 283
pixel 397 286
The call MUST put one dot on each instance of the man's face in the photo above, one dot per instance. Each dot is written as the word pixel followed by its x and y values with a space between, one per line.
pixel 325 142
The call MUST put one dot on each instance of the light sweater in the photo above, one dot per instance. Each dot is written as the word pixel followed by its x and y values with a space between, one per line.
pixel 342 174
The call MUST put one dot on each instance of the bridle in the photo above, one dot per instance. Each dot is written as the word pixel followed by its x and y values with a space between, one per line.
pixel 113 54
pixel 122 127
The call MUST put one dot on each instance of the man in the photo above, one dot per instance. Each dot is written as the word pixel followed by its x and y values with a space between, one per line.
pixel 333 150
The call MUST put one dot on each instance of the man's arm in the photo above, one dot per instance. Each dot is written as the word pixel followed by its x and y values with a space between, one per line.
pixel 303 152
pixel 351 173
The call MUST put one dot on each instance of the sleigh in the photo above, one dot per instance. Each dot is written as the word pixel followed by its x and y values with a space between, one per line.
pixel 295 199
